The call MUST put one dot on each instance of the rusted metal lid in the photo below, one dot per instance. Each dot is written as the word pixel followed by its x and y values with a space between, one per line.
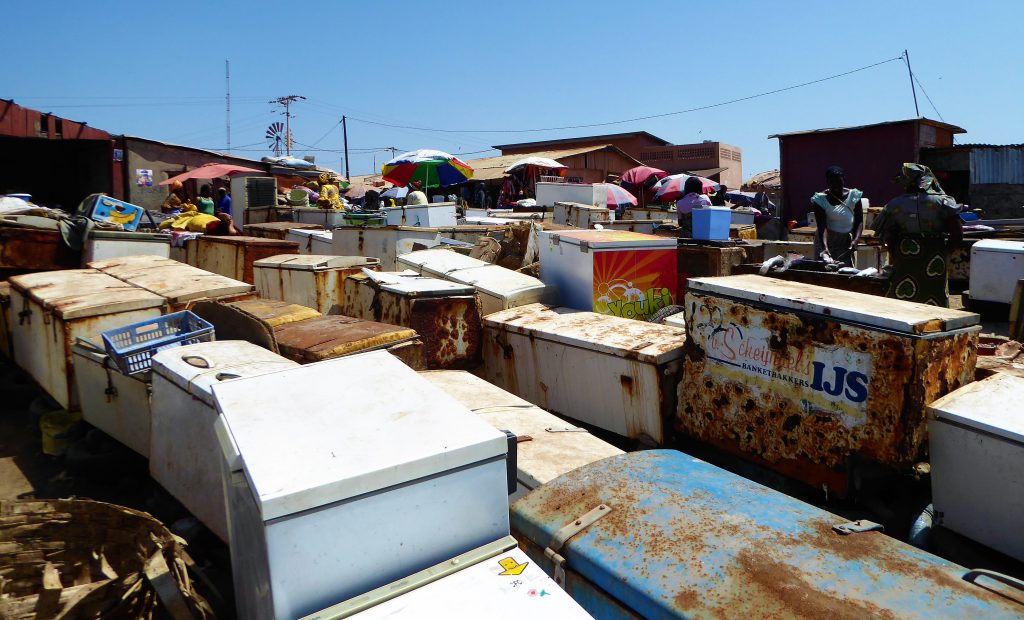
pixel 333 336
pixel 79 293
pixel 646 342
pixel 177 282
pixel 315 262
pixel 274 312
pixel 250 241
pixel 839 305
pixel 685 539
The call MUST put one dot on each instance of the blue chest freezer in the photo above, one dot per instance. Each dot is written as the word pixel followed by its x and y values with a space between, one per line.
pixel 660 534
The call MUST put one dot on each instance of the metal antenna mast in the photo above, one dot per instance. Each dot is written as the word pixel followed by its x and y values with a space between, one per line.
pixel 906 57
pixel 227 98
pixel 286 102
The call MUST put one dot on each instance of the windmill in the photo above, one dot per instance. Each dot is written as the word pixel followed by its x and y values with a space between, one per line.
pixel 278 138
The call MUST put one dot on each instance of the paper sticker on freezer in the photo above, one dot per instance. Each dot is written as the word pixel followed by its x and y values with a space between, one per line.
pixel 634 284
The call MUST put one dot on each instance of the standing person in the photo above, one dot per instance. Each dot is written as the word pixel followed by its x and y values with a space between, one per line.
pixel 415 195
pixel 223 201
pixel 480 197
pixel 693 197
pixel 839 216
pixel 919 227
pixel 205 202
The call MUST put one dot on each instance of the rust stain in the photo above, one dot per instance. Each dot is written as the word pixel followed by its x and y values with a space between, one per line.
pixel 26 249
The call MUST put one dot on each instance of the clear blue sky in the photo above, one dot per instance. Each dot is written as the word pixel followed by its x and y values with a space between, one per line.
pixel 157 70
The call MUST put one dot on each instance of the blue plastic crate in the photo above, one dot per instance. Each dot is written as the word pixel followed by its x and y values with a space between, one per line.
pixel 131 347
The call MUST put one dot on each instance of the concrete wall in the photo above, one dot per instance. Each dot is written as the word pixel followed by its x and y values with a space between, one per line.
pixel 630 144
pixel 678 158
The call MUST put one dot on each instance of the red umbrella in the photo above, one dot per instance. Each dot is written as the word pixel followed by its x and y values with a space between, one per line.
pixel 616 197
pixel 671 188
pixel 209 171
pixel 641 175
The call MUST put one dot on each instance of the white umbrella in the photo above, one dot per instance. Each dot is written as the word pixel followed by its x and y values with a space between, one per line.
pixel 540 162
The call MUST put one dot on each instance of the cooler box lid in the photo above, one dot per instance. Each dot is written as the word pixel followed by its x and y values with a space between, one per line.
pixel 644 342
pixel 195 368
pixel 305 444
pixel 122 235
pixel 177 282
pixel 252 241
pixel 273 312
pixel 332 336
pixel 277 226
pixel 892 314
pixel 495 280
pixel 315 262
pixel 998 245
pixel 612 239
pixel 439 261
pixel 992 405
pixel 420 286
pixel 326 235
pixel 79 293
pixel 685 539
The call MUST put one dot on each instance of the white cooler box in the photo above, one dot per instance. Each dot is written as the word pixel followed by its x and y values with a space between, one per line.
pixel 582 215
pixel 50 309
pixel 317 242
pixel 183 447
pixel 996 265
pixel 431 215
pixel 328 218
pixel 104 244
pixel 976 447
pixel 312 280
pixel 332 494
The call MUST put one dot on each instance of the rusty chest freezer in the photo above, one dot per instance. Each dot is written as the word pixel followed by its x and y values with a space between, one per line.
pixel 50 309
pixel 179 284
pixel 328 501
pixel 499 288
pixel 546 447
pixel 387 242
pixel 976 444
pixel 277 230
pixel 660 534
pixel 313 280
pixel 616 374
pixel 817 383
pixel 183 452
pixel 312 241
pixel 234 256
pixel 446 315
pixel 581 215
pixel 28 248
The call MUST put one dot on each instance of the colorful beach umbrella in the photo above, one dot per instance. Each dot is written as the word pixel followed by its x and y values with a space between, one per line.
pixel 642 176
pixel 539 162
pixel 616 196
pixel 671 188
pixel 209 171
pixel 431 168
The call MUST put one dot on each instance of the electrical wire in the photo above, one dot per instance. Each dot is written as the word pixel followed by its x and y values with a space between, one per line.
pixel 914 75
pixel 640 118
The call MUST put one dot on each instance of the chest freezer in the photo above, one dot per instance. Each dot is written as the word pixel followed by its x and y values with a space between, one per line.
pixel 234 256
pixel 332 494
pixel 384 242
pixel 996 265
pixel 429 215
pixel 277 230
pixel 616 374
pixel 183 453
pixel 317 281
pixel 115 403
pixel 446 315
pixel 105 244
pixel 327 218
pixel 976 442
pixel 581 214
pixel 318 242
pixel 179 284
pixel 815 381
pixel 679 538
pixel 615 272
pixel 495 580
pixel 547 445
pixel 50 309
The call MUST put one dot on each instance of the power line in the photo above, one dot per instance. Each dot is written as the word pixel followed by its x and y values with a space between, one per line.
pixel 927 97
pixel 641 118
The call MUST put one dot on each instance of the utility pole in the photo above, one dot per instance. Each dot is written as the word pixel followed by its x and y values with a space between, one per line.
pixel 227 97
pixel 913 89
pixel 286 102
pixel 344 133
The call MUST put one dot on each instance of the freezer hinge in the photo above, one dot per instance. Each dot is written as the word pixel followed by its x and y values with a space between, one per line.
pixel 584 247
pixel 562 536
pixel 857 527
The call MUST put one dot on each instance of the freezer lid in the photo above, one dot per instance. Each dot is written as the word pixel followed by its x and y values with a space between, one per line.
pixel 998 245
pixel 251 241
pixel 426 287
pixel 196 367
pixel 628 338
pixel 326 235
pixel 439 261
pixel 333 336
pixel 611 239
pixel 496 280
pixel 892 314
pixel 177 282
pixel 337 429
pixel 79 293
pixel 274 312
pixel 686 539
pixel 315 262
pixel 993 405
pixel 122 235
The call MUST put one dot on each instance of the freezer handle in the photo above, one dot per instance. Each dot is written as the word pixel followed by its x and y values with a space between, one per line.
pixel 232 457
pixel 1013 582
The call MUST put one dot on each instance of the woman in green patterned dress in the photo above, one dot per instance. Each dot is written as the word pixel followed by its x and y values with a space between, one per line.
pixel 919 227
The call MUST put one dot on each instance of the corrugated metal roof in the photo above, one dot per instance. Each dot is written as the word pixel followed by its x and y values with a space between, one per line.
pixel 542 143
pixel 926 121
pixel 1004 164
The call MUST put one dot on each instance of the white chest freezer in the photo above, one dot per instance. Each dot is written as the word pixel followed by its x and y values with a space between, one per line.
pixel 996 265
pixel 179 284
pixel 581 215
pixel 434 214
pixel 183 453
pixel 115 403
pixel 616 272
pixel 495 580
pixel 312 280
pixel 317 242
pixel 104 244
pixel 328 218
pixel 976 443
pixel 50 309
pixel 332 494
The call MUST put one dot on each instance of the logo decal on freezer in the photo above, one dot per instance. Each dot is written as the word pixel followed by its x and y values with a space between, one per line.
pixel 511 566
